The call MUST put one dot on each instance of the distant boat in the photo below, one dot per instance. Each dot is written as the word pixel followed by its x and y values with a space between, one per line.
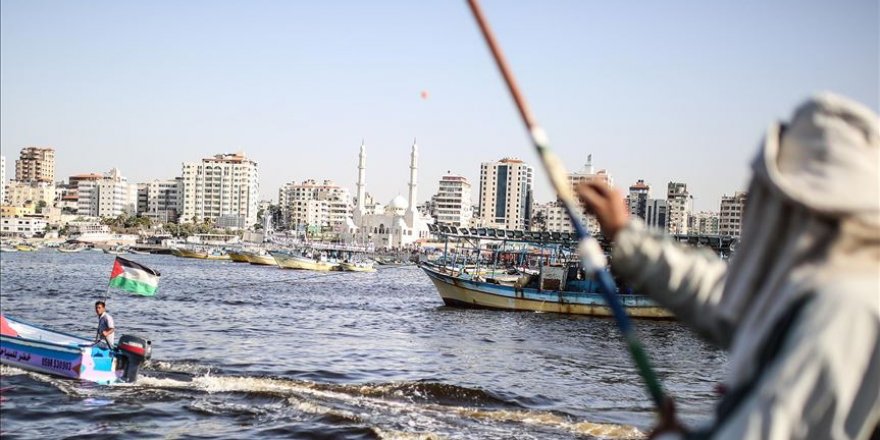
pixel 200 254
pixel 115 251
pixel 261 259
pixel 357 266
pixel 238 256
pixel 34 348
pixel 290 261
pixel 137 252
pixel 8 249
pixel 25 248
pixel 71 249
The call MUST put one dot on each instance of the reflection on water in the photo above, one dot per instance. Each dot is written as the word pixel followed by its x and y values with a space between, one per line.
pixel 243 351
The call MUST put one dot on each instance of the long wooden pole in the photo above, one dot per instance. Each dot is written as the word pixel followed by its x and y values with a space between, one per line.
pixel 591 254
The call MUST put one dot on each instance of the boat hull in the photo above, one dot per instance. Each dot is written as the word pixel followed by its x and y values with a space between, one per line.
pixel 294 262
pixel 262 260
pixel 63 355
pixel 238 257
pixel 187 253
pixel 349 267
pixel 457 292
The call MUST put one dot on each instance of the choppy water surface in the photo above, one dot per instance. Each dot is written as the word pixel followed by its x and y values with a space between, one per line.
pixel 242 351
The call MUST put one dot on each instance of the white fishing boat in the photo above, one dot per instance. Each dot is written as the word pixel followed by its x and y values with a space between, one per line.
pixel 288 260
pixel 260 258
pixel 71 249
pixel 357 266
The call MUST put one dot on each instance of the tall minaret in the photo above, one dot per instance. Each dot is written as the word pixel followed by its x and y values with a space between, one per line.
pixel 413 180
pixel 362 179
pixel 589 166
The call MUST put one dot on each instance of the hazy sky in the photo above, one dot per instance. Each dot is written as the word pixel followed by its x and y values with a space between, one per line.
pixel 671 90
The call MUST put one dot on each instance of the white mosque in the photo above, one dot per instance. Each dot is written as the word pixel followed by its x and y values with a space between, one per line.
pixel 399 224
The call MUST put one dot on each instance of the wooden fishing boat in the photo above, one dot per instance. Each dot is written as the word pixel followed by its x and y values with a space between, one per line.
pixel 137 252
pixel 357 266
pixel 200 254
pixel 291 261
pixel 71 249
pixel 115 251
pixel 238 256
pixel 186 253
pixel 25 248
pixel 8 249
pixel 541 273
pixel 259 259
pixel 34 348
pixel 581 299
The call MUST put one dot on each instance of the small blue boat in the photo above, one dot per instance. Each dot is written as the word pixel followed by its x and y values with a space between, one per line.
pixel 34 348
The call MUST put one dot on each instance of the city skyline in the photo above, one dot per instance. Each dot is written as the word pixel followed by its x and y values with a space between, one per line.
pixel 297 86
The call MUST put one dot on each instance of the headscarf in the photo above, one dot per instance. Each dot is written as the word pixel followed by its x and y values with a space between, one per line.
pixel 812 214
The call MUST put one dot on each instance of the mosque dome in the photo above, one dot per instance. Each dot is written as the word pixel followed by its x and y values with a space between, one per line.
pixel 398 203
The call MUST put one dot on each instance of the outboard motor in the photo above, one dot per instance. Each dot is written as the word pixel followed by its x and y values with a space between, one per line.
pixel 132 351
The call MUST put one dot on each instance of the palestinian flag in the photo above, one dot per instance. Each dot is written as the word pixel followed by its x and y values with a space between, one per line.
pixel 133 277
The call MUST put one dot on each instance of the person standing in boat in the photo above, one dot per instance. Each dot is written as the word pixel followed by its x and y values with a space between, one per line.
pixel 798 309
pixel 106 326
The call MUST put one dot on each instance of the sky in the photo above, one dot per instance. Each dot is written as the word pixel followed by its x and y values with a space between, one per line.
pixel 661 91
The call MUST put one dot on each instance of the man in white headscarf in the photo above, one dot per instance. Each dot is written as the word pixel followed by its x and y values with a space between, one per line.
pixel 798 308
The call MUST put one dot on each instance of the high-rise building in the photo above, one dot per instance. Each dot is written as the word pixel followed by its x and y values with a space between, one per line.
pixel 109 196
pixel 506 194
pixel 703 223
pixel 2 180
pixel 36 164
pixel 656 215
pixel 38 193
pixel 452 204
pixel 637 200
pixel 160 200
pixel 324 205
pixel 677 208
pixel 553 216
pixel 731 216
pixel 223 189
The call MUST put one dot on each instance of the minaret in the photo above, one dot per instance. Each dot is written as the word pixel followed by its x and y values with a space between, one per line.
pixel 413 180
pixel 362 179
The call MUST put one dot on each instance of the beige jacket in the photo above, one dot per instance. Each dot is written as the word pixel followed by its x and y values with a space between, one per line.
pixel 824 384
pixel 811 235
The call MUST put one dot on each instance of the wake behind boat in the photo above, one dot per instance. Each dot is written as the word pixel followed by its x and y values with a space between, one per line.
pixel 34 348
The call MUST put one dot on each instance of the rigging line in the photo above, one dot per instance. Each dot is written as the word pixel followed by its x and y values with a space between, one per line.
pixel 589 251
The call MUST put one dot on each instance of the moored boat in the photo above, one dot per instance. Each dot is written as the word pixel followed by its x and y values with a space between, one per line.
pixel 357 266
pixel 8 249
pixel 25 248
pixel 70 250
pixel 34 348
pixel 261 259
pixel 206 254
pixel 290 261
pixel 238 256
